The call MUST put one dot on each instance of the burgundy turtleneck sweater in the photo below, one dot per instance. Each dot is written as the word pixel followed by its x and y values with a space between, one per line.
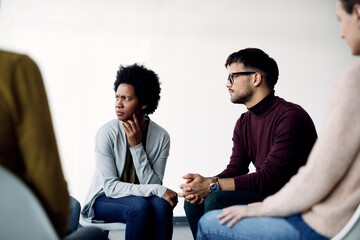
pixel 277 137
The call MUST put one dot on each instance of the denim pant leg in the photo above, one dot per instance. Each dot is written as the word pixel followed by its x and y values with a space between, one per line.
pixel 218 200
pixel 307 233
pixel 246 229
pixel 74 214
pixel 136 212
pixel 163 226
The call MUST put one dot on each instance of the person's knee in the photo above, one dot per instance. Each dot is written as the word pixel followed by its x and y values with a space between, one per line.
pixel 74 205
pixel 161 206
pixel 187 206
pixel 210 217
pixel 74 214
pixel 213 201
pixel 142 209
pixel 191 209
pixel 209 220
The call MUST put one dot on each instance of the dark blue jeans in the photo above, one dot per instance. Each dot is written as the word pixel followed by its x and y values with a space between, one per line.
pixel 74 214
pixel 84 233
pixel 218 200
pixel 145 218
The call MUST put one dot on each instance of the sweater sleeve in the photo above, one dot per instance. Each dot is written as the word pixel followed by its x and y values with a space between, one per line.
pixel 36 141
pixel 239 160
pixel 332 155
pixel 152 172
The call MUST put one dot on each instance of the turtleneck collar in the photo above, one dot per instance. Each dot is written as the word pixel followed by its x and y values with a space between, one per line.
pixel 262 106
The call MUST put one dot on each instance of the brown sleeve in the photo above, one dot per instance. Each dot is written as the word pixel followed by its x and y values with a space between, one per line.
pixel 37 143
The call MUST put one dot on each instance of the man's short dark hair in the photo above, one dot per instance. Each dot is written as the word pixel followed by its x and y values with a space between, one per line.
pixel 257 60
pixel 145 82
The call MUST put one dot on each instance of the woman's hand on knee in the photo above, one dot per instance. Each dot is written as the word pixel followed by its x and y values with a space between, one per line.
pixel 233 214
pixel 171 197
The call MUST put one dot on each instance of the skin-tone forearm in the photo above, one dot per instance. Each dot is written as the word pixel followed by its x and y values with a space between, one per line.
pixel 227 184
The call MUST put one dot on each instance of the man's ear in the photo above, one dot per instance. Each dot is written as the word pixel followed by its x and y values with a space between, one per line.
pixel 143 107
pixel 258 78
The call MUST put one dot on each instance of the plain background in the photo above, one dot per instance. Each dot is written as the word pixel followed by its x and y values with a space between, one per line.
pixel 79 45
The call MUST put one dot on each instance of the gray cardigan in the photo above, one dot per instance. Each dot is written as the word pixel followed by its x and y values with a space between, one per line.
pixel 110 150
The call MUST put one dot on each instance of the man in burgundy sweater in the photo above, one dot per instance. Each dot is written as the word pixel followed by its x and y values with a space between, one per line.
pixel 275 135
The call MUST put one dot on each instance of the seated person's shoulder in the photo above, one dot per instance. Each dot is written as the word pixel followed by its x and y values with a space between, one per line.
pixel 158 130
pixel 352 73
pixel 10 55
pixel 293 115
pixel 110 128
pixel 347 87
pixel 290 109
pixel 14 58
pixel 348 84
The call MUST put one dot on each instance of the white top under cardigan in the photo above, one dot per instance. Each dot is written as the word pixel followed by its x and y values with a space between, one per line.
pixel 110 150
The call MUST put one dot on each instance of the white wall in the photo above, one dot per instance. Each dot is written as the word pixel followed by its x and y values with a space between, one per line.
pixel 79 45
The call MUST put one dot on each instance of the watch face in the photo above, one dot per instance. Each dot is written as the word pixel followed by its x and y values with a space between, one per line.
pixel 214 187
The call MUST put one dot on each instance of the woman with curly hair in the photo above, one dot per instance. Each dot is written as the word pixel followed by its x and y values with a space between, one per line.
pixel 131 154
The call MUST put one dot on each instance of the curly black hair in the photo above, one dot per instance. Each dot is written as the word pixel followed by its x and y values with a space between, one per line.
pixel 258 60
pixel 145 82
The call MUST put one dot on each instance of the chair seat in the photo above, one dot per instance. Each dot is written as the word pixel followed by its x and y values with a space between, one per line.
pixel 104 226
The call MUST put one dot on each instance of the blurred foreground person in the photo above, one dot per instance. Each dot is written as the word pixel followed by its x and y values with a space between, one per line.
pixel 27 141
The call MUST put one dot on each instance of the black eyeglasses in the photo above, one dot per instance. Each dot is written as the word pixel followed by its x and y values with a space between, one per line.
pixel 232 75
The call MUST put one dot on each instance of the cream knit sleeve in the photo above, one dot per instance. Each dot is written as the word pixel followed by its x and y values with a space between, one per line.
pixel 331 156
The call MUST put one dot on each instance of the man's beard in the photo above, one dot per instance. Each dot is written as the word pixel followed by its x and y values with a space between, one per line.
pixel 244 97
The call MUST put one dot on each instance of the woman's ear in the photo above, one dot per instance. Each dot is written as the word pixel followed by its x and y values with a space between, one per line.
pixel 143 107
pixel 356 10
